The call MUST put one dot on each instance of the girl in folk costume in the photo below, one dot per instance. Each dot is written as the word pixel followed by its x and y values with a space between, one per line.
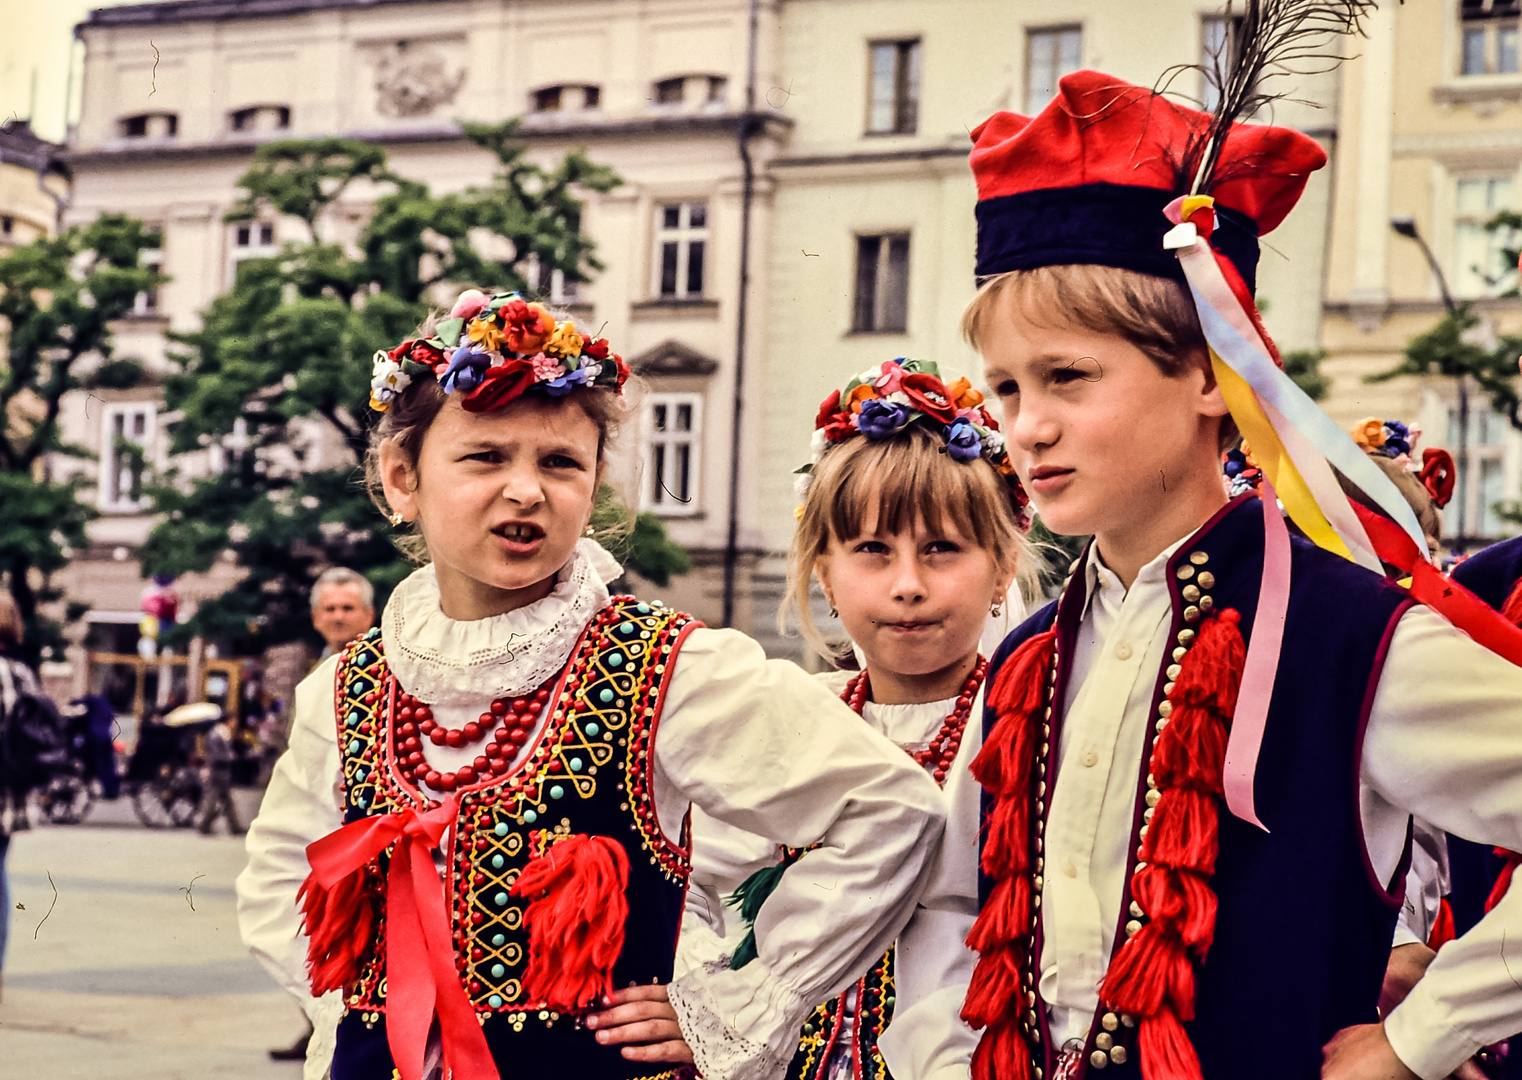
pixel 913 524
pixel 1202 759
pixel 477 836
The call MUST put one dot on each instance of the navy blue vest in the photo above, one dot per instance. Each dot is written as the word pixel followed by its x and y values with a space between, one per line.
pixel 1303 930
pixel 591 774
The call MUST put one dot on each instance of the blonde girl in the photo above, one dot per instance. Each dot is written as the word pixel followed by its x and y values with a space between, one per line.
pixel 912 525
pixel 474 852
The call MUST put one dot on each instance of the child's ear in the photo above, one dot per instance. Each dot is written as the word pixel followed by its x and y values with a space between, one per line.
pixel 1211 401
pixel 822 574
pixel 398 480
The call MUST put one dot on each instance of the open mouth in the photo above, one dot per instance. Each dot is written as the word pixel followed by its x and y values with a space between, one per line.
pixel 519 532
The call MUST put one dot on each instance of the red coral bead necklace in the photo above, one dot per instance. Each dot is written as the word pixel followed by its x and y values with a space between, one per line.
pixel 943 747
pixel 514 719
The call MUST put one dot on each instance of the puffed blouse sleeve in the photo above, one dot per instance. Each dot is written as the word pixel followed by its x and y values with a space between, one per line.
pixel 303 803
pixel 760 745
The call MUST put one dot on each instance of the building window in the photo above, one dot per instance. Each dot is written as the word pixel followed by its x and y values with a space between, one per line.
pixel 893 106
pixel 567 98
pixel 671 463
pixel 1488 42
pixel 550 286
pixel 126 441
pixel 882 283
pixel 681 241
pixel 261 118
pixel 707 93
pixel 670 91
pixel 1049 55
pixel 1220 37
pixel 146 304
pixel 1480 265
pixel 7 224
pixel 150 126
pixel 250 239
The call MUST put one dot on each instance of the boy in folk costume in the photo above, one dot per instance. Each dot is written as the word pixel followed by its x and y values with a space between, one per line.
pixel 1201 761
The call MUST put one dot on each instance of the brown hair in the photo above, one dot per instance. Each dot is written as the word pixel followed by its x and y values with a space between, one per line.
pixel 414 410
pixel 1154 314
pixel 11 628
pixel 1412 490
pixel 912 479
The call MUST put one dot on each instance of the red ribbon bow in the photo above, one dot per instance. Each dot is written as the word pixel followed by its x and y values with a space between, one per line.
pixel 421 980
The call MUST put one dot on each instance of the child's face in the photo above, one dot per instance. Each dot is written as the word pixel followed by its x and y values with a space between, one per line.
pixel 501 497
pixel 1103 440
pixel 914 601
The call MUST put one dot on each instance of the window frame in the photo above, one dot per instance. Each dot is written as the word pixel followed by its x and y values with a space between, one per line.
pixel 1055 33
pixel 145 305
pixel 1463 223
pixel 683 235
pixel 1490 27
pixel 878 319
pixel 236 253
pixel 668 438
pixel 908 85
pixel 106 474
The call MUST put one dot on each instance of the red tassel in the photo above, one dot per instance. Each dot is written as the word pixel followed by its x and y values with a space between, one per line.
pixel 1511 611
pixel 1183 831
pixel 1166 1052
pixel 1001 1054
pixel 995 983
pixel 1212 670
pixel 1005 917
pixel 340 925
pixel 576 921
pixel 1003 765
pixel 1191 751
pixel 1004 847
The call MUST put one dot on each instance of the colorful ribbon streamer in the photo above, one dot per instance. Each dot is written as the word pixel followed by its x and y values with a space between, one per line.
pixel 421 981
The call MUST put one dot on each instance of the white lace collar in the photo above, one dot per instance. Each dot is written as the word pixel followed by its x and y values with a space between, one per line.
pixel 445 662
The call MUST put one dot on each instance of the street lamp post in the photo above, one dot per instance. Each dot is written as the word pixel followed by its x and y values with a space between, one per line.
pixel 1406 226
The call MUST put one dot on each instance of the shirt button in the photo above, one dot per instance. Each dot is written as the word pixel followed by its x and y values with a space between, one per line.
pixel 1123 651
pixel 1069 869
pixel 1089 759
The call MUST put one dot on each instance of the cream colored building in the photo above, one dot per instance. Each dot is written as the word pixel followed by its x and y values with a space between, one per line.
pixel 1431 130
pixel 34 185
pixel 872 252
pixel 177 96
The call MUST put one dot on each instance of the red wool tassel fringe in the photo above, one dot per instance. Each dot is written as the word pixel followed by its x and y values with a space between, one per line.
pixel 1004 767
pixel 340 925
pixel 1511 611
pixel 575 921
pixel 1152 975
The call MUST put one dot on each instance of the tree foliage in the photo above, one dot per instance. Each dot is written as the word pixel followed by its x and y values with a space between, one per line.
pixel 58 299
pixel 1451 350
pixel 280 365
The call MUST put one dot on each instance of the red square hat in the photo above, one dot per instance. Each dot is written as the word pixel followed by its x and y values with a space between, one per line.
pixel 1087 180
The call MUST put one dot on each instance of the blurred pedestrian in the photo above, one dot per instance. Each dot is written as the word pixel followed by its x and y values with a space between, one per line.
pixel 216 787
pixel 31 742
pixel 343 607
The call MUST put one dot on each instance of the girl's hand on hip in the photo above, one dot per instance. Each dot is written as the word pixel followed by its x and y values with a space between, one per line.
pixel 642 1021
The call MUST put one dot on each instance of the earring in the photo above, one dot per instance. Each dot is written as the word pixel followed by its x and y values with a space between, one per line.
pixel 834 614
pixel 996 608
pixel 395 518
pixel 591 531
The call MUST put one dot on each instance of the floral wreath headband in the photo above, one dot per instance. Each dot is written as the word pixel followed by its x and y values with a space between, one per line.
pixel 885 400
pixel 494 349
pixel 1382 438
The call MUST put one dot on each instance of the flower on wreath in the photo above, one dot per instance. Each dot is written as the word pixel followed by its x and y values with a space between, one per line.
pixel 928 394
pixel 858 394
pixel 878 419
pixel 546 367
pixel 1370 434
pixel 387 380
pixel 469 304
pixel 529 326
pixel 569 381
pixel 499 385
pixel 467 368
pixel 890 380
pixel 565 341
pixel 484 332
pixel 962 395
pixel 963 442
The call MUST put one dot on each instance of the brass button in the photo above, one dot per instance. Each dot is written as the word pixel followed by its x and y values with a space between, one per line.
pixel 1136 910
pixel 1191 614
pixel 1153 795
pixel 1128 1020
pixel 1132 926
pixel 1172 671
pixel 1104 1040
pixel 1109 1021
pixel 1147 814
pixel 1179 653
pixel 1099 1059
pixel 1199 558
pixel 1118 1055
pixel 1207 603
pixel 1030 997
pixel 1037 882
pixel 1207 579
pixel 1185 572
pixel 1165 709
pixel 1167 689
pixel 1191 593
pixel 1186 638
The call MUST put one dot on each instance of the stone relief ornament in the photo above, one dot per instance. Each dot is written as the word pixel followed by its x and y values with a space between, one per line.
pixel 413 80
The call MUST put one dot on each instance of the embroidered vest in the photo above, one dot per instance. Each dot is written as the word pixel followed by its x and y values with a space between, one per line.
pixel 589 773
pixel 1303 929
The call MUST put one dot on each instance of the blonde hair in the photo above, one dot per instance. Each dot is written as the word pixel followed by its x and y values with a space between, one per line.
pixel 1154 314
pixel 414 410
pixel 912 479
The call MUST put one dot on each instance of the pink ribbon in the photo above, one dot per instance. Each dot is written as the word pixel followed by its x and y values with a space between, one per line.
pixel 421 980
pixel 1262 664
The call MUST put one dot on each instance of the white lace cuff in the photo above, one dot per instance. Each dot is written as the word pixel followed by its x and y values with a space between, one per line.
pixel 740 1025
pixel 324 1012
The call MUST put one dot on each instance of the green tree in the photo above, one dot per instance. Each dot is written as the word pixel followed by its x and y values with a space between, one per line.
pixel 1304 367
pixel 281 362
pixel 1449 350
pixel 58 299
